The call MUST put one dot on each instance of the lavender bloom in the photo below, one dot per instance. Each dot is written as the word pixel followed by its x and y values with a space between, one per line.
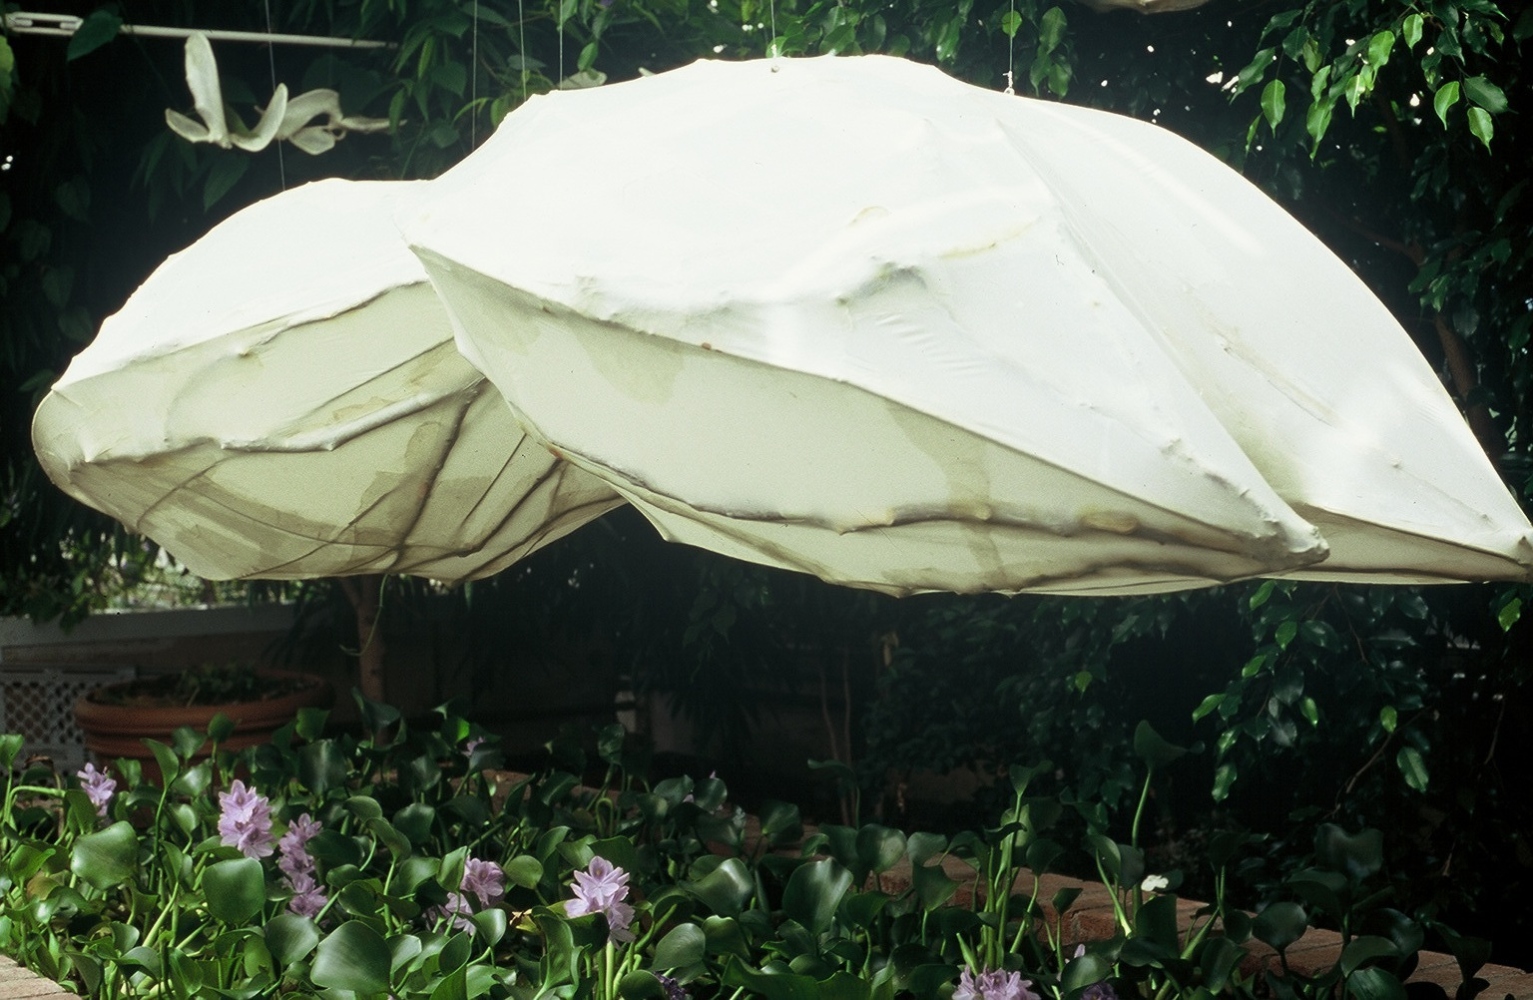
pixel 603 888
pixel 298 867
pixel 993 984
pixel 293 849
pixel 485 880
pixel 482 880
pixel 673 988
pixel 246 821
pixel 471 746
pixel 458 909
pixel 98 787
pixel 1100 991
pixel 308 898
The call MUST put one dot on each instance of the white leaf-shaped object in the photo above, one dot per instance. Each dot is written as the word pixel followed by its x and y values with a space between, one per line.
pixel 207 92
pixel 283 399
pixel 853 317
pixel 258 138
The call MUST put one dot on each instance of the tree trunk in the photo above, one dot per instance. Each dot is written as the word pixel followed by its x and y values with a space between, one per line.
pixel 364 594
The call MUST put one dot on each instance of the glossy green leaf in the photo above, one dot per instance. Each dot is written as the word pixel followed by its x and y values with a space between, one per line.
pixel 1010 22
pixel 641 985
pixel 879 848
pixel 352 957
pixel 98 28
pixel 813 893
pixel 1413 767
pixel 108 858
pixel 1280 924
pixel 1410 30
pixel 1152 748
pixel 781 986
pixel 1486 94
pixel 235 890
pixel 1274 102
pixel 1446 97
pixel 725 889
pixel 1365 948
pixel 290 937
pixel 1374 984
pixel 1481 126
pixel 684 945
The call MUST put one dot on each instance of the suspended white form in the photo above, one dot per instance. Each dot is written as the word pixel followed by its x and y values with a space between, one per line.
pixel 853 317
pixel 283 399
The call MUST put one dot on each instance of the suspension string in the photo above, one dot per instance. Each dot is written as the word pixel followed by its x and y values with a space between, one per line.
pixel 473 85
pixel 772 48
pixel 560 84
pixel 1011 56
pixel 271 59
pixel 521 34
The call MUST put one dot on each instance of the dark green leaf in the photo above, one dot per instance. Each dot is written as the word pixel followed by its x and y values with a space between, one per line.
pixel 1274 102
pixel 290 937
pixel 352 957
pixel 1152 748
pixel 1280 924
pixel 1481 126
pixel 684 945
pixel 813 892
pixel 98 28
pixel 108 858
pixel 1374 984
pixel 1413 767
pixel 235 890
pixel 1486 94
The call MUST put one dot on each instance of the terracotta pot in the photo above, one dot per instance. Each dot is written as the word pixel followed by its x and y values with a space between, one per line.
pixel 113 731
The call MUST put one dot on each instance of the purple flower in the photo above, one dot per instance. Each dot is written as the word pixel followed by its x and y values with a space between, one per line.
pixel 673 988
pixel 603 888
pixel 485 880
pixel 245 822
pixel 308 898
pixel 298 867
pixel 458 909
pixel 98 787
pixel 993 984
pixel 471 746
pixel 1100 991
pixel 293 849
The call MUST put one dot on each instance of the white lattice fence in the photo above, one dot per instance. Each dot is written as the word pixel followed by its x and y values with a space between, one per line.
pixel 38 703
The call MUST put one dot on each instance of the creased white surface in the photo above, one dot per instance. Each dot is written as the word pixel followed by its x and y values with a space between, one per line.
pixel 850 316
pixel 283 400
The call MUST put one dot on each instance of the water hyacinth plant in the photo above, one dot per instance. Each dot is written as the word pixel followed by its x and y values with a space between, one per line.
pixel 400 864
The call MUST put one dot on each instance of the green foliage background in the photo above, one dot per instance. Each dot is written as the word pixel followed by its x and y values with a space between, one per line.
pixel 1395 130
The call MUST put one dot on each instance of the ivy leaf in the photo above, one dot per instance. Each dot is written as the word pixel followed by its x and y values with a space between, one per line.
pixel 95 31
pixel 1411 30
pixel 1481 125
pixel 1274 102
pixel 1010 22
pixel 1413 767
pixel 1486 94
pixel 1445 98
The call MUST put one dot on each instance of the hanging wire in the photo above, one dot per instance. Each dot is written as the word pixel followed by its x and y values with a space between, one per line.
pixel 473 85
pixel 521 33
pixel 271 59
pixel 1011 54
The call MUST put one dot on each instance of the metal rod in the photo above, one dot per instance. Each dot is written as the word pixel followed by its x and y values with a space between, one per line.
pixel 63 25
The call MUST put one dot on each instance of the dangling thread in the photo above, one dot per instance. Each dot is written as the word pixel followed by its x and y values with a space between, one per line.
pixel 773 49
pixel 271 58
pixel 1011 54
pixel 473 84
pixel 521 35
